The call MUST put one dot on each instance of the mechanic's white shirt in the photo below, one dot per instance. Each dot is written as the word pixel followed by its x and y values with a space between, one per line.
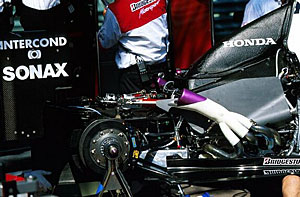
pixel 41 4
pixel 257 8
pixel 1 4
pixel 141 31
pixel 294 34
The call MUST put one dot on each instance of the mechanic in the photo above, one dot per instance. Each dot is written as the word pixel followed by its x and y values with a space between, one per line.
pixel 257 8
pixel 6 19
pixel 140 29
pixel 41 14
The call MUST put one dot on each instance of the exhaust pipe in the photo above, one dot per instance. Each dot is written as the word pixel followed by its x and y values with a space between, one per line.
pixel 217 152
pixel 233 125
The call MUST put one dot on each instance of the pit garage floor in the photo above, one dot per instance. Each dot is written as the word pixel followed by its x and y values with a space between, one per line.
pixel 242 188
pixel 198 191
pixel 190 191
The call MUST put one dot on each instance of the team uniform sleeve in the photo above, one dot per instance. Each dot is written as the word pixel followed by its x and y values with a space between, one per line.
pixel 109 33
pixel 1 6
pixel 257 8
pixel 252 12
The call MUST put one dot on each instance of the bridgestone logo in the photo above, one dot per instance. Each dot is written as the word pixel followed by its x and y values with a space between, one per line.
pixel 138 5
pixel 285 171
pixel 283 162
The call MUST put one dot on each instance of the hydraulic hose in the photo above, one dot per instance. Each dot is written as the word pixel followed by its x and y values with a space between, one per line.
pixel 221 154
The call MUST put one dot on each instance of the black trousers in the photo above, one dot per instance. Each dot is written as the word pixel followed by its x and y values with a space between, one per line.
pixel 130 79
pixel 52 19
pixel 6 20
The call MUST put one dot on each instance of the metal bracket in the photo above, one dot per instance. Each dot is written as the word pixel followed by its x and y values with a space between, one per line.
pixel 114 179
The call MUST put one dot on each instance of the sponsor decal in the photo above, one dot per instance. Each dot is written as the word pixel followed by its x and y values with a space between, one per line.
pixel 34 47
pixel 249 42
pixel 34 54
pixel 281 162
pixel 140 4
pixel 145 10
pixel 34 72
pixel 283 171
pixel 35 43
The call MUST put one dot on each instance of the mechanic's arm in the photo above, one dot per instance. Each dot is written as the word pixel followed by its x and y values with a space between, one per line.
pixel 252 11
pixel 109 33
